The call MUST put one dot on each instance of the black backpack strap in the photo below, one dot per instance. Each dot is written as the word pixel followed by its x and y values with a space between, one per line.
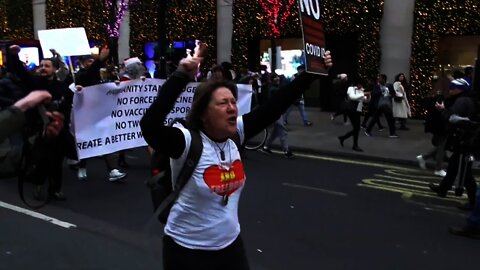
pixel 193 156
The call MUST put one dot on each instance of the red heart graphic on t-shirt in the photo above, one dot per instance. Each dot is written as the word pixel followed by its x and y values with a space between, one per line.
pixel 224 182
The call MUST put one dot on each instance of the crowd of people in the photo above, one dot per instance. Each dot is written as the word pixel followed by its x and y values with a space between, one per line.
pixel 449 119
pixel 55 78
pixel 388 99
pixel 214 115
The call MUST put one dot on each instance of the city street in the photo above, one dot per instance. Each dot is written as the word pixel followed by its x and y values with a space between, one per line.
pixel 311 212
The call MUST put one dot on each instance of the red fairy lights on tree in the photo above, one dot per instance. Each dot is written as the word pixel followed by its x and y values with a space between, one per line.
pixel 278 12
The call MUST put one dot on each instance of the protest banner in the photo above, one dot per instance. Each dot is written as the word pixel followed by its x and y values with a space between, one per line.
pixel 313 36
pixel 106 117
pixel 66 41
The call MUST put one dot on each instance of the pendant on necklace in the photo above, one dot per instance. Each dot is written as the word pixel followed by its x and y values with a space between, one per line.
pixel 225 200
pixel 222 155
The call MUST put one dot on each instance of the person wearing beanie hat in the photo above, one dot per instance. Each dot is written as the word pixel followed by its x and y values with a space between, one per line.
pixel 458 85
pixel 134 69
pixel 463 105
pixel 131 61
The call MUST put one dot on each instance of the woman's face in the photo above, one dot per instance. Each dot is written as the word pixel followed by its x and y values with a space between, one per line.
pixel 401 77
pixel 220 118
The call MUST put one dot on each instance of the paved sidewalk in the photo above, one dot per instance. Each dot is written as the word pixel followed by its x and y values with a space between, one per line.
pixel 321 138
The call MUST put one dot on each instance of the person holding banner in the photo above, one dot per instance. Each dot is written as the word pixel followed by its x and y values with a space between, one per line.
pixel 133 69
pixel 89 75
pixel 203 230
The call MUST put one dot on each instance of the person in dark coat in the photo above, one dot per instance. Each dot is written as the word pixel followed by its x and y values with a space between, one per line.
pixel 49 152
pixel 340 86
pixel 382 91
pixel 464 105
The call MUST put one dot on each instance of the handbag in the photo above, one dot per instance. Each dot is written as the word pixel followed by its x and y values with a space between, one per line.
pixel 397 99
pixel 385 103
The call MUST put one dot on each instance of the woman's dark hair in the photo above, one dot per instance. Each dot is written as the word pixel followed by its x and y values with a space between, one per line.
pixel 201 99
pixel 397 77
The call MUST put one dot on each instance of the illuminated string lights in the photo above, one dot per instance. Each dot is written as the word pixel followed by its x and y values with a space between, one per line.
pixel 143 25
pixel 252 19
pixel 13 26
pixel 432 20
pixel 90 14
pixel 339 16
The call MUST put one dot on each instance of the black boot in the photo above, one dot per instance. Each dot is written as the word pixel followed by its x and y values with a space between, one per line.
pixel 467 231
pixel 356 148
pixel 438 189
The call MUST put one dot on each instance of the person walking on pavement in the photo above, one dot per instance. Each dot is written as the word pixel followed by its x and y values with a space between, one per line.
pixel 463 105
pixel 203 230
pixel 340 87
pixel 435 124
pixel 401 106
pixel 382 95
pixel 356 97
pixel 299 103
pixel 371 110
pixel 278 129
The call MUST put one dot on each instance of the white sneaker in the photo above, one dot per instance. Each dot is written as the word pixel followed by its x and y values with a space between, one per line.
pixel 82 174
pixel 72 161
pixel 421 162
pixel 440 173
pixel 116 175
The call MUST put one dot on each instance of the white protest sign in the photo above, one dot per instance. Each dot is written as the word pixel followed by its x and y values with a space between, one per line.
pixel 66 41
pixel 107 116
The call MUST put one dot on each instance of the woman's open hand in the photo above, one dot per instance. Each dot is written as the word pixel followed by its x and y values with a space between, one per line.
pixel 191 64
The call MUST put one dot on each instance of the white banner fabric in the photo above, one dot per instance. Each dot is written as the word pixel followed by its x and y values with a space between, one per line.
pixel 106 117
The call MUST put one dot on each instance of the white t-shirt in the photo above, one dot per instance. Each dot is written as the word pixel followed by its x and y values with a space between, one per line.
pixel 199 219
